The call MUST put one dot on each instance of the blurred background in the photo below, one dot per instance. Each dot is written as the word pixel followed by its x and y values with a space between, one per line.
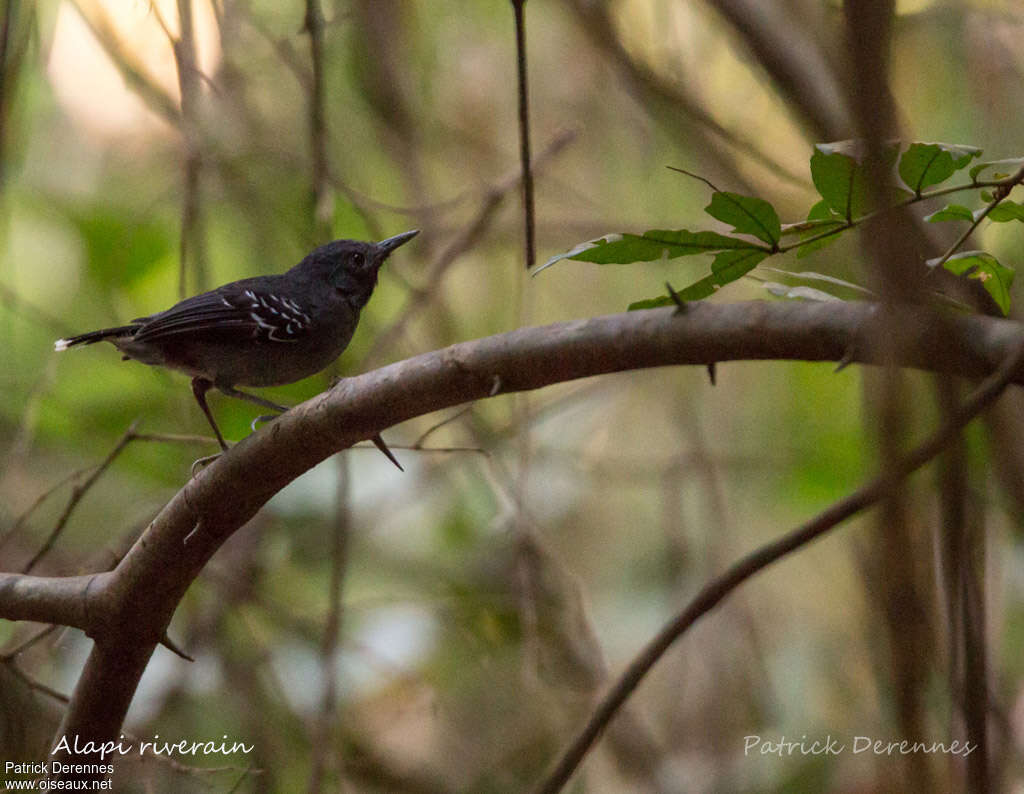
pixel 447 629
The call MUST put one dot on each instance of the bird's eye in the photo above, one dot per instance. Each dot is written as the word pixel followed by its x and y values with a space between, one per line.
pixel 358 259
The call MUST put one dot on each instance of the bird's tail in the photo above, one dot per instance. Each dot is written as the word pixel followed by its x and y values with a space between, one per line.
pixel 95 336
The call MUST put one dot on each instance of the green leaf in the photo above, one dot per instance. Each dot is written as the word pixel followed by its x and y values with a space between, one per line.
pixel 624 249
pixel 747 215
pixel 852 147
pixel 1005 168
pixel 800 292
pixel 731 265
pixel 841 180
pixel 856 150
pixel 995 277
pixel 951 212
pixel 1005 211
pixel 810 275
pixel 727 267
pixel 699 290
pixel 822 212
pixel 926 164
pixel 820 218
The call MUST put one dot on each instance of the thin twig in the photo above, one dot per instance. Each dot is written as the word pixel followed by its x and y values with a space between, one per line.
pixel 1000 193
pixel 692 175
pixel 173 438
pixel 38 686
pixel 721 586
pixel 841 226
pixel 418 443
pixel 24 645
pixel 129 436
pixel 77 494
pixel 20 520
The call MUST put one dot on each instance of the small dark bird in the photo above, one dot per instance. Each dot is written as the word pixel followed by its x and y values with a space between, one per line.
pixel 262 331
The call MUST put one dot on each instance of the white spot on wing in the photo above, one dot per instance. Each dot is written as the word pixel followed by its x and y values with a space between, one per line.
pixel 261 322
pixel 274 332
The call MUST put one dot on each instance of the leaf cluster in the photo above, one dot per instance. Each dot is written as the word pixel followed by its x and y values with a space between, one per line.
pixel 847 199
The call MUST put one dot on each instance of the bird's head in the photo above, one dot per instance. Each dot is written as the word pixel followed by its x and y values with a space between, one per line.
pixel 350 266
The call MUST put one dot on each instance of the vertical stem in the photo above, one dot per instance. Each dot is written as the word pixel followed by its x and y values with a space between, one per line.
pixel 524 131
pixel 10 9
pixel 891 242
pixel 191 208
pixel 324 734
pixel 323 208
pixel 522 403
pixel 976 705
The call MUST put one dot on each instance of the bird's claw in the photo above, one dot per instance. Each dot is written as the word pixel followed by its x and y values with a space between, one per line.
pixel 263 418
pixel 203 462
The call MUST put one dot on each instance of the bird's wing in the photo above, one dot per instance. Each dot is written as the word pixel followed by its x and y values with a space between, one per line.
pixel 233 312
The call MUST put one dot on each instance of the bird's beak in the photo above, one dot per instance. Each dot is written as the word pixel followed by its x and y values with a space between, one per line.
pixel 390 244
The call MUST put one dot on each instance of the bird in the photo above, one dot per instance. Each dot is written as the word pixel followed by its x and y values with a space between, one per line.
pixel 261 331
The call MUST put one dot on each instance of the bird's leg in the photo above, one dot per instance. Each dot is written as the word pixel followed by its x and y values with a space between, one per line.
pixel 253 398
pixel 241 395
pixel 199 388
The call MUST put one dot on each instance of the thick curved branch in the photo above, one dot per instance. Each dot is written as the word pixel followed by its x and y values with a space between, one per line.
pixel 134 603
pixel 62 600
